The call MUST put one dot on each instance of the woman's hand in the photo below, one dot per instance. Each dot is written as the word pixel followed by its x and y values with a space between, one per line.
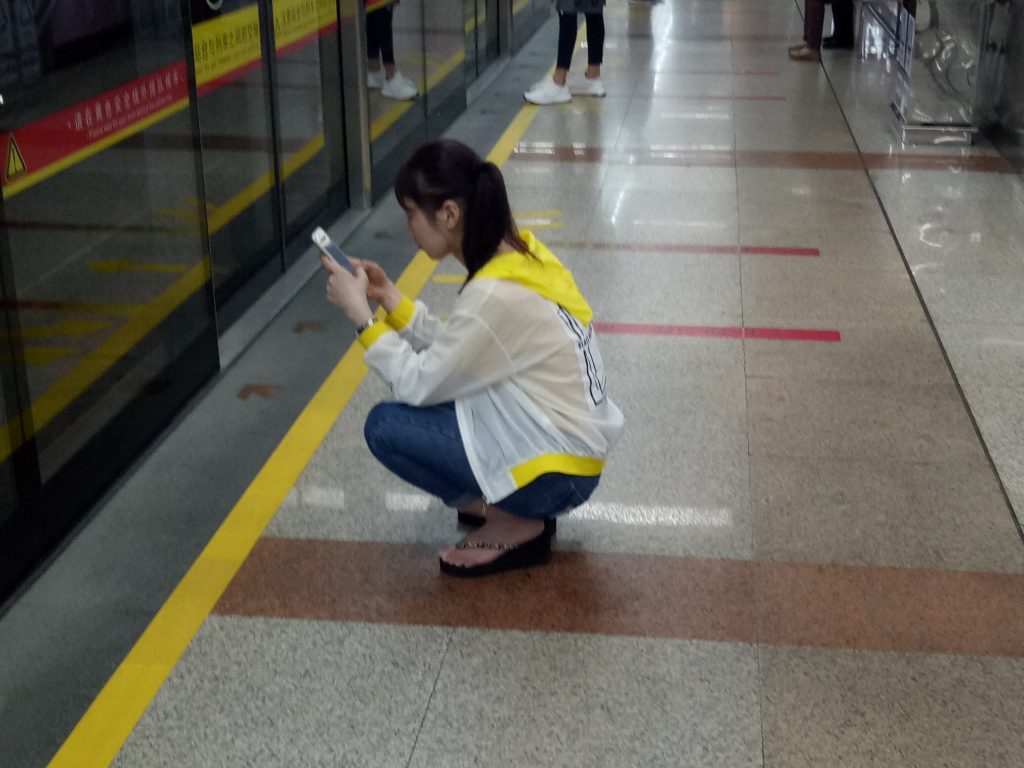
pixel 380 288
pixel 348 292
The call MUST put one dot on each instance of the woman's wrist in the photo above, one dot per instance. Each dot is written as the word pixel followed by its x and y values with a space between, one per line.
pixel 361 315
pixel 391 299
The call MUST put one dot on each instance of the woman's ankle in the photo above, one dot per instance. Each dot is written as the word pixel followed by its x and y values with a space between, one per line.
pixel 497 517
pixel 478 507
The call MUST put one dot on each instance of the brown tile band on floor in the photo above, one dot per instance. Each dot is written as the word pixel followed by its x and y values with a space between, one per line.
pixel 834 606
pixel 401 584
pixel 685 157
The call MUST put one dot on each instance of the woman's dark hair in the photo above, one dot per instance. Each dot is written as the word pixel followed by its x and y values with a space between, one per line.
pixel 449 170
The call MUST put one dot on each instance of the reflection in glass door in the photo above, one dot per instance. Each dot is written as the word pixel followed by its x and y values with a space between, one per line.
pixel 394 46
pixel 235 132
pixel 308 109
pixel 108 319
pixel 527 17
pixel 271 132
pixel 482 38
pixel 489 47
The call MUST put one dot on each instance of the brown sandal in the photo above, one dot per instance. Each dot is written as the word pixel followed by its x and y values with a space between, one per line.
pixel 805 53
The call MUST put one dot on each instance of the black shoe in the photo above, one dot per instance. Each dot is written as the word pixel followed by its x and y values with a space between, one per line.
pixel 833 43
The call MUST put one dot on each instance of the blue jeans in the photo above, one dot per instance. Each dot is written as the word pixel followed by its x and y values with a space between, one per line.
pixel 423 447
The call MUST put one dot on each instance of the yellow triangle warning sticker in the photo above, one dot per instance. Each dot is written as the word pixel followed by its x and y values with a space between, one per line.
pixel 15 162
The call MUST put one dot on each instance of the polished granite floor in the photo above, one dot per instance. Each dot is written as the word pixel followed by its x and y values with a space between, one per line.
pixel 803 552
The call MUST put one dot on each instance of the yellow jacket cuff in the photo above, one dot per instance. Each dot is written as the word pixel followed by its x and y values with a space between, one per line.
pixel 402 315
pixel 371 334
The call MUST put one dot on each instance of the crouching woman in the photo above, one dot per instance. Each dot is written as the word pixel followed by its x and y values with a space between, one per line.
pixel 501 411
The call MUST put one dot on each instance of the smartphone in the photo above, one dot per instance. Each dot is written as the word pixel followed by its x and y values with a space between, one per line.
pixel 324 243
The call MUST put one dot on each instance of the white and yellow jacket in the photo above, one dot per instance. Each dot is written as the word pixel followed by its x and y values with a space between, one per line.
pixel 519 358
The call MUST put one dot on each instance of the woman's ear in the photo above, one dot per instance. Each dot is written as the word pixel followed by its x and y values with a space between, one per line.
pixel 450 215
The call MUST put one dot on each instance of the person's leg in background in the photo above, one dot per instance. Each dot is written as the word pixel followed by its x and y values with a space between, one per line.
pixel 553 90
pixel 592 85
pixel 842 25
pixel 374 73
pixel 380 49
pixel 566 43
pixel 803 40
pixel 814 19
pixel 595 44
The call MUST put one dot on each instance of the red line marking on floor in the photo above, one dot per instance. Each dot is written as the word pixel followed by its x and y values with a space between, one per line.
pixel 773 250
pixel 727 250
pixel 706 97
pixel 744 72
pixel 719 332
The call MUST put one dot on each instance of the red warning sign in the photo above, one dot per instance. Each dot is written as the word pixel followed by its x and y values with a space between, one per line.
pixel 43 148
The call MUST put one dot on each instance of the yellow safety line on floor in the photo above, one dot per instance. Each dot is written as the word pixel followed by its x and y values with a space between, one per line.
pixel 109 721
pixel 450 280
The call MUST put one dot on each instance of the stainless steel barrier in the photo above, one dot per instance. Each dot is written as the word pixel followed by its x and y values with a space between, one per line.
pixel 949 60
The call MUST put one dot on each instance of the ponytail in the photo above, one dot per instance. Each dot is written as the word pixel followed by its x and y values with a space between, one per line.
pixel 449 170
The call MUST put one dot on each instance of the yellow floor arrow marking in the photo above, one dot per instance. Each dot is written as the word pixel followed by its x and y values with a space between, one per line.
pixel 88 308
pixel 551 212
pixel 475 22
pixel 109 266
pixel 39 355
pixel 192 217
pixel 541 224
pixel 46 407
pixel 68 328
pixel 549 219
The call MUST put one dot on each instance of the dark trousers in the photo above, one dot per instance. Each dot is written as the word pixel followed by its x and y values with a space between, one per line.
pixel 814 20
pixel 380 36
pixel 567 38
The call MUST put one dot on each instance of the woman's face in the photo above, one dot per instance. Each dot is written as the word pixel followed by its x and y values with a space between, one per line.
pixel 439 233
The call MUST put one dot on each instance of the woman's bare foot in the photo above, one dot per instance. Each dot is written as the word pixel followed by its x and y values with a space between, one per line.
pixel 500 528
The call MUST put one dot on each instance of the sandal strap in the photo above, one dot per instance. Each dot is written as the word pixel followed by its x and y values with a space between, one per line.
pixel 486 545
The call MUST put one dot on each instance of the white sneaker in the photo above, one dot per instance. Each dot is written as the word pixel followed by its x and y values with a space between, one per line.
pixel 547 91
pixel 375 80
pixel 588 87
pixel 399 87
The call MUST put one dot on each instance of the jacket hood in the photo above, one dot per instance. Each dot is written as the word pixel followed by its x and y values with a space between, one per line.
pixel 544 274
